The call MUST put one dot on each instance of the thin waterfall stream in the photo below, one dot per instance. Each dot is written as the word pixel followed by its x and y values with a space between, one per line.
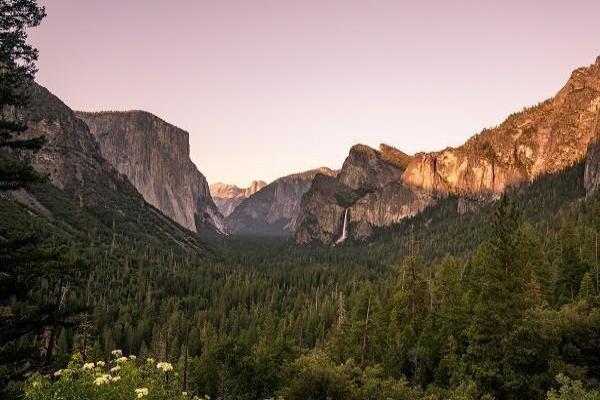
pixel 344 228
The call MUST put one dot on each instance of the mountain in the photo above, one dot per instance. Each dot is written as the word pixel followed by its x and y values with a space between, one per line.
pixel 368 185
pixel 155 156
pixel 273 209
pixel 228 197
pixel 380 190
pixel 85 196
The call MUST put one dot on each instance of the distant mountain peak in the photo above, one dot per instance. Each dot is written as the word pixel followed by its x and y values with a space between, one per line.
pixel 227 197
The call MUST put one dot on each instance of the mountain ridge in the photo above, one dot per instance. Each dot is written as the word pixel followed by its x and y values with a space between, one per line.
pixel 154 155
pixel 538 140
pixel 227 197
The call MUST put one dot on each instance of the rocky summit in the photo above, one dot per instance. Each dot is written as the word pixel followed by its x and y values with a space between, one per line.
pixel 378 188
pixel 155 156
pixel 228 197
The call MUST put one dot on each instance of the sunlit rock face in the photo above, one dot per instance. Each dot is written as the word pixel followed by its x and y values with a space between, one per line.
pixel 538 140
pixel 382 187
pixel 154 156
pixel 369 186
pixel 228 197
pixel 273 210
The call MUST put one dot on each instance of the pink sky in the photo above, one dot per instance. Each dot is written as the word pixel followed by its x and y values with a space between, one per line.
pixel 268 88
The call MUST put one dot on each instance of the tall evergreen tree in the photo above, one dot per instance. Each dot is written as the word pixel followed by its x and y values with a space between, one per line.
pixel 500 304
pixel 31 321
pixel 17 69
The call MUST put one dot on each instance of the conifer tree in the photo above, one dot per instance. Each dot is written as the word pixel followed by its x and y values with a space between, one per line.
pixel 17 69
pixel 500 303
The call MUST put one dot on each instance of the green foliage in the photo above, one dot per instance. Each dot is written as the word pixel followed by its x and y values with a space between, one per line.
pixel 571 389
pixel 257 319
pixel 17 69
pixel 123 378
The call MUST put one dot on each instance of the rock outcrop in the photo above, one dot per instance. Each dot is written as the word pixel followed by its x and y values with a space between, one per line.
pixel 155 157
pixel 72 160
pixel 591 176
pixel 228 197
pixel 539 140
pixel 382 187
pixel 273 209
pixel 369 186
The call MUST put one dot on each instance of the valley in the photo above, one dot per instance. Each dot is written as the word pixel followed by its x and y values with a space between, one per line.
pixel 468 273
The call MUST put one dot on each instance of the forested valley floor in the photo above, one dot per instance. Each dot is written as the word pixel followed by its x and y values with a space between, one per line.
pixel 502 302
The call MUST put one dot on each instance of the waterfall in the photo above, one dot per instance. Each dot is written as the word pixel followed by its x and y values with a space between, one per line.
pixel 344 228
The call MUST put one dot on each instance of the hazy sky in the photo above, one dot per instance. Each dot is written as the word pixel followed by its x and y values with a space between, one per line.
pixel 268 88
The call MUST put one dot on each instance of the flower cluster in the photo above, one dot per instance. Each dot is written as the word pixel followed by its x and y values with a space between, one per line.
pixel 114 369
pixel 117 353
pixel 119 376
pixel 102 379
pixel 164 366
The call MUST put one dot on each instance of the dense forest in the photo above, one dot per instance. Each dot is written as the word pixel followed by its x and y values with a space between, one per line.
pixel 501 302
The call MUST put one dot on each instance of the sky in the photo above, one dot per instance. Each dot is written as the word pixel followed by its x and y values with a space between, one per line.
pixel 269 88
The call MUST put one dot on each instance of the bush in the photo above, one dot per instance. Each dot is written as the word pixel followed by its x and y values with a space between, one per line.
pixel 123 378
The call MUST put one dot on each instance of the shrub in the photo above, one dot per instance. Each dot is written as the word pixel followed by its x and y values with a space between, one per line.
pixel 122 378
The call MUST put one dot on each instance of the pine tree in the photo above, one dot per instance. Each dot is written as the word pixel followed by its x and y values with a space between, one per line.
pixel 500 302
pixel 17 69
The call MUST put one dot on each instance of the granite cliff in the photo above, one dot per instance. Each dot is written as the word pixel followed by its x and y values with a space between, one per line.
pixel 72 160
pixel 154 156
pixel 273 209
pixel 591 176
pixel 369 186
pixel 228 197
pixel 379 188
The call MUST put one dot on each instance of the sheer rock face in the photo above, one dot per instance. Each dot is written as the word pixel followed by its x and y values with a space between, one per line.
pixel 592 166
pixel 71 156
pixel 382 187
pixel 369 185
pixel 539 140
pixel 273 209
pixel 72 160
pixel 154 156
pixel 228 197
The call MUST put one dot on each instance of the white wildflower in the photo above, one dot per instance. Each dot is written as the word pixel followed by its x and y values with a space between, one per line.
pixel 132 357
pixel 101 364
pixel 116 368
pixel 101 380
pixel 141 392
pixel 150 360
pixel 121 360
pixel 115 378
pixel 164 366
pixel 88 365
pixel 116 353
